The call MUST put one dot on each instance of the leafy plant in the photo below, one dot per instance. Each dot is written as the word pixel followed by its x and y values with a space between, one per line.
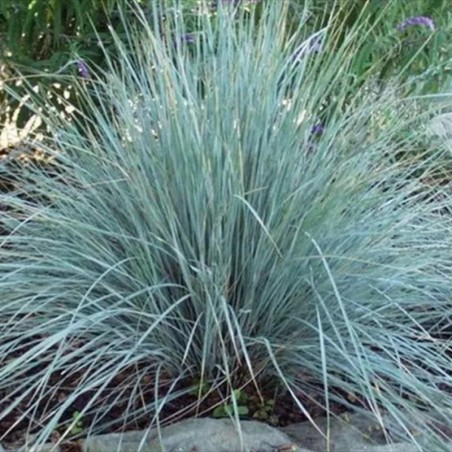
pixel 201 388
pixel 194 230
pixel 46 31
pixel 383 49
pixel 77 424
pixel 264 412
pixel 228 410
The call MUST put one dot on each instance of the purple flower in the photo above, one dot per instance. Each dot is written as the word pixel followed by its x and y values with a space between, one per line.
pixel 188 38
pixel 312 45
pixel 417 20
pixel 82 69
pixel 214 4
pixel 317 129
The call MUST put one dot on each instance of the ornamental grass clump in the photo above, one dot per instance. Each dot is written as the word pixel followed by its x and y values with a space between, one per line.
pixel 196 239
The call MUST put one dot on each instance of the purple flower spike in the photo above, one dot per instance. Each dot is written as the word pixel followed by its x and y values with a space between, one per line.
pixel 417 20
pixel 82 69
pixel 313 45
pixel 188 38
pixel 317 129
pixel 215 3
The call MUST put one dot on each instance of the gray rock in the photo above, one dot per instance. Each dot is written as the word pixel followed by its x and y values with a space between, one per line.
pixel 339 432
pixel 43 448
pixel 200 435
pixel 359 432
pixel 124 442
pixel 397 447
pixel 346 433
pixel 421 427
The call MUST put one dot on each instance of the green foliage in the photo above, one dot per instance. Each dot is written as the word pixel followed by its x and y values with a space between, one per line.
pixel 50 35
pixel 42 33
pixel 264 412
pixel 195 230
pixel 77 423
pixel 383 52
pixel 228 411
pixel 238 406
pixel 201 389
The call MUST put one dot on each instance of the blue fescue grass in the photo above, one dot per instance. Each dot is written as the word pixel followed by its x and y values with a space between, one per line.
pixel 201 232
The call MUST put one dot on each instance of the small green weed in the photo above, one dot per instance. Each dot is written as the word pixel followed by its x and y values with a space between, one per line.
pixel 77 423
pixel 201 388
pixel 264 412
pixel 226 410
pixel 246 405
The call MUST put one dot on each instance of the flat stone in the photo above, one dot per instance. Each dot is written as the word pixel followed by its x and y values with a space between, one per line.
pixel 43 448
pixel 346 432
pixel 438 421
pixel 196 435
pixel 129 441
pixel 352 432
pixel 396 447
pixel 358 432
